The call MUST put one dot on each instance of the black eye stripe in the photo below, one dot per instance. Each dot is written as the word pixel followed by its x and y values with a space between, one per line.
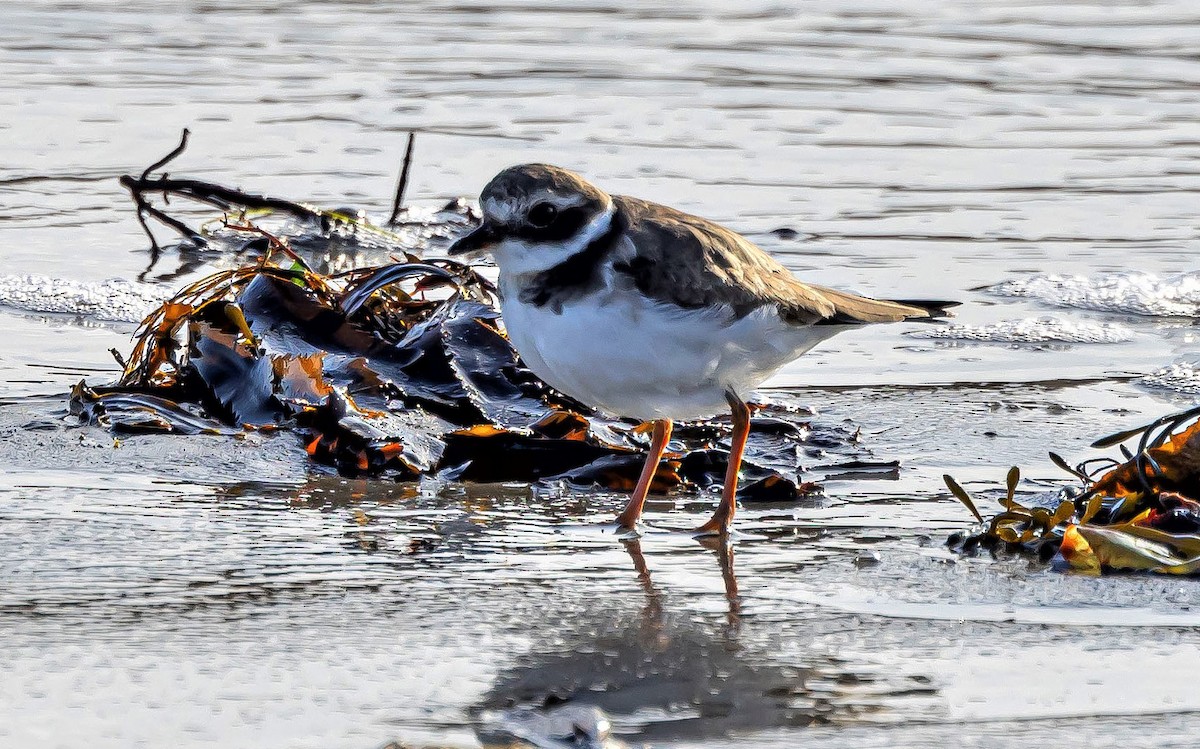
pixel 564 226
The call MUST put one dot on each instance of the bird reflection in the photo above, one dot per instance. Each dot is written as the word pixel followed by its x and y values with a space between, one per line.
pixel 723 550
pixel 668 672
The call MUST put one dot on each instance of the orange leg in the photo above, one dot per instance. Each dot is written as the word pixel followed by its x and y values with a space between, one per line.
pixel 722 519
pixel 658 444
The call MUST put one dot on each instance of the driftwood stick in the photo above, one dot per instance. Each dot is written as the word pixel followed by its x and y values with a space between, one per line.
pixel 218 196
pixel 144 208
pixel 183 139
pixel 402 185
pixel 186 231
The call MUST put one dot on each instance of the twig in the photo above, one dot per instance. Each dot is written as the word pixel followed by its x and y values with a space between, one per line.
pixel 228 200
pixel 274 244
pixel 169 157
pixel 218 196
pixel 402 185
pixel 187 231
pixel 144 208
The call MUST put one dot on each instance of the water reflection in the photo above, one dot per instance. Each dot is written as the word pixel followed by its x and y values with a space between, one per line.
pixel 667 673
pixel 653 611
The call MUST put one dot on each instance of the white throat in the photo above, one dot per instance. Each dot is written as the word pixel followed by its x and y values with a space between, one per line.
pixel 519 257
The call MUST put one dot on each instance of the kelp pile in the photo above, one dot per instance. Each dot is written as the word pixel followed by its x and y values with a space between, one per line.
pixel 1134 514
pixel 400 370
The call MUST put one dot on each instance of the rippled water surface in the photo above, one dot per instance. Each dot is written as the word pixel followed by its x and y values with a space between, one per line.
pixel 202 591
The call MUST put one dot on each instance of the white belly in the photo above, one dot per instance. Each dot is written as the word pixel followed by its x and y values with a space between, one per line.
pixel 628 356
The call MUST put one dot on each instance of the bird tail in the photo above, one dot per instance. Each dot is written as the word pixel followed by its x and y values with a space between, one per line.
pixel 934 310
pixel 852 309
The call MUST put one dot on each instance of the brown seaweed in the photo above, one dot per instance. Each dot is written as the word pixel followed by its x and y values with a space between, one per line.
pixel 403 385
pixel 1132 515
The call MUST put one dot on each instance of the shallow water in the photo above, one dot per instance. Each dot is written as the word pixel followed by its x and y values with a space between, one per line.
pixel 200 590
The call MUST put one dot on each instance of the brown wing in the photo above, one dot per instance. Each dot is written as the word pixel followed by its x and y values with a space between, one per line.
pixel 692 262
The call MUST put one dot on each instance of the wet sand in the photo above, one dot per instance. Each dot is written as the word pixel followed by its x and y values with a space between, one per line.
pixel 199 591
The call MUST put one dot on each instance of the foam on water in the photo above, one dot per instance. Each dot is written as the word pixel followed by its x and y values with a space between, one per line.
pixel 113 299
pixel 1031 330
pixel 1129 293
pixel 1181 377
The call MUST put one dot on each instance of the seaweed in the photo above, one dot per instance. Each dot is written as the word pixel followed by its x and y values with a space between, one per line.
pixel 398 370
pixel 1135 514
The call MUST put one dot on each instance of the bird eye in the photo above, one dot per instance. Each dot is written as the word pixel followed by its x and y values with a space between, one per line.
pixel 542 215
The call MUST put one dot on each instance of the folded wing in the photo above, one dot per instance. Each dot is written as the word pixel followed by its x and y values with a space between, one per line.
pixel 691 262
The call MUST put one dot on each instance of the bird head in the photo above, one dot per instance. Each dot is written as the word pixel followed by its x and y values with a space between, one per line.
pixel 535 216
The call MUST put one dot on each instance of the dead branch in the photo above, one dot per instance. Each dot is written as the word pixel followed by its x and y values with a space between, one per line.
pixel 402 185
pixel 218 196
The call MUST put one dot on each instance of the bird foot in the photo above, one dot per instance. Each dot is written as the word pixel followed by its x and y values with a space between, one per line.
pixel 625 530
pixel 717 526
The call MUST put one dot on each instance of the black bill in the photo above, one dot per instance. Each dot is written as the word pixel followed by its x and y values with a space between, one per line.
pixel 477 241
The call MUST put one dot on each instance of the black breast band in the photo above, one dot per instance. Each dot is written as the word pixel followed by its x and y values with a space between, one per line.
pixel 575 276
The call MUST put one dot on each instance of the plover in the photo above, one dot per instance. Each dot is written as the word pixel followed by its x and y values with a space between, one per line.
pixel 644 311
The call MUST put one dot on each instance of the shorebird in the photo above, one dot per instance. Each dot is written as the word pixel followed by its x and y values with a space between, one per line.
pixel 646 312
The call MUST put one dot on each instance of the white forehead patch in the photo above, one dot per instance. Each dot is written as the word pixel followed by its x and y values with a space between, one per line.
pixel 508 211
pixel 500 210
